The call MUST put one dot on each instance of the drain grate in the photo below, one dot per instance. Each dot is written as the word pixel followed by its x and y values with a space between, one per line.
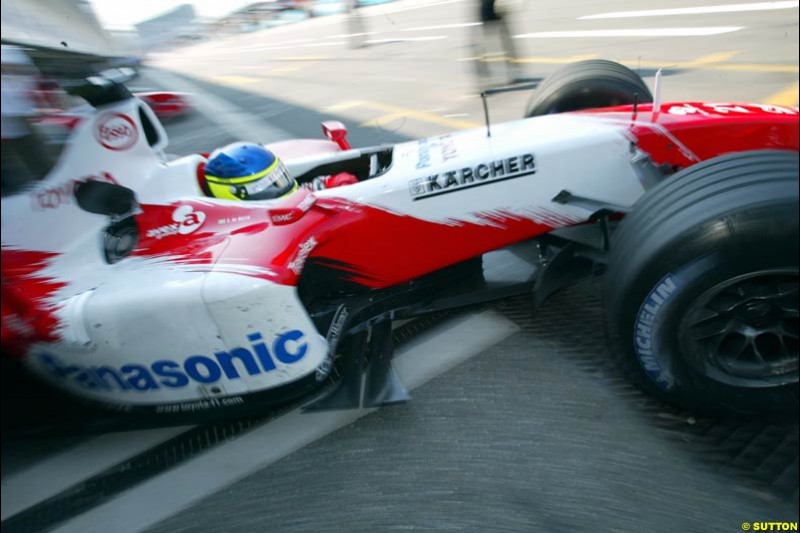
pixel 765 454
pixel 123 476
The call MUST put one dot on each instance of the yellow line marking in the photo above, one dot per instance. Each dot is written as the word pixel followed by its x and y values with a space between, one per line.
pixel 786 97
pixel 542 60
pixel 708 62
pixel 391 112
pixel 711 59
pixel 751 67
pixel 555 60
pixel 742 67
pixel 235 80
pixel 291 68
pixel 344 106
pixel 422 116
pixel 382 120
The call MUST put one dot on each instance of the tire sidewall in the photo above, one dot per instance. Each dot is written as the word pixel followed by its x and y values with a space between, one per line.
pixel 666 286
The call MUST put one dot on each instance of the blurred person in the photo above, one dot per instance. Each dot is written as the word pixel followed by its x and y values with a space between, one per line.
pixel 355 25
pixel 249 171
pixel 492 32
pixel 24 155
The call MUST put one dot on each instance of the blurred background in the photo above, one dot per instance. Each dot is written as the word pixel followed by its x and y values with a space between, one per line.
pixel 394 69
pixel 535 430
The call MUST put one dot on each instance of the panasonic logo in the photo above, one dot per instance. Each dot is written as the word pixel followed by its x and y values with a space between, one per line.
pixel 287 348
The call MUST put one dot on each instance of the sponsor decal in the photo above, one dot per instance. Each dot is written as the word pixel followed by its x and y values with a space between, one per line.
pixel 233 220
pixel 287 348
pixel 55 197
pixel 186 220
pixel 286 217
pixel 777 109
pixel 708 109
pixel 116 131
pixel 645 337
pixel 199 405
pixel 469 177
pixel 687 109
pixel 334 334
pixel 307 202
pixel 335 331
pixel 296 266
pixel 423 153
pixel 448 146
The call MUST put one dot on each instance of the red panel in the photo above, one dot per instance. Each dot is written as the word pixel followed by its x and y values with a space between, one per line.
pixel 708 129
pixel 27 314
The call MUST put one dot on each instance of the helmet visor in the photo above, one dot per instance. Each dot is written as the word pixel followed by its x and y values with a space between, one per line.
pixel 277 183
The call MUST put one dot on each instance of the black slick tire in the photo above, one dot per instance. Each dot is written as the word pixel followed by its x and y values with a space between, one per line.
pixel 587 85
pixel 691 266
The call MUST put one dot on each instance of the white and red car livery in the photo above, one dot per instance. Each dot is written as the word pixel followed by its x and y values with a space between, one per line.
pixel 188 303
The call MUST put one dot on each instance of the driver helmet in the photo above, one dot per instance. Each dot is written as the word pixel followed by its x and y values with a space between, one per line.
pixel 247 171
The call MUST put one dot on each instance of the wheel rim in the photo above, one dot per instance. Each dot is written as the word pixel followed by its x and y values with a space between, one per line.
pixel 744 331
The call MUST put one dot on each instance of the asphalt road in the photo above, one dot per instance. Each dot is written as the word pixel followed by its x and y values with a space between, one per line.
pixel 518 422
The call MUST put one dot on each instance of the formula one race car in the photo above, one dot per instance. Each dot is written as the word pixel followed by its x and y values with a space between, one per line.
pixel 123 284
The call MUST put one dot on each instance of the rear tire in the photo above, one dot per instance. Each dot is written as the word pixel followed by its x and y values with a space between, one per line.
pixel 587 85
pixel 702 286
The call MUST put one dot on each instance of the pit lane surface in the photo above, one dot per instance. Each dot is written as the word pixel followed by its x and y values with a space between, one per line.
pixel 533 432
pixel 530 430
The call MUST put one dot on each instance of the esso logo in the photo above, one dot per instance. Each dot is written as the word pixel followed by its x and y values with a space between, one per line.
pixel 116 131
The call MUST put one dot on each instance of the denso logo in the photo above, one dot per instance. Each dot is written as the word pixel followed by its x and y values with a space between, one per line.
pixel 186 221
pixel 287 348
pixel 58 195
pixel 116 131
pixel 296 266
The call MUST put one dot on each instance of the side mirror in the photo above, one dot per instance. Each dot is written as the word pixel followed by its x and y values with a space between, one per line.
pixel 336 132
pixel 101 89
pixel 103 198
pixel 119 74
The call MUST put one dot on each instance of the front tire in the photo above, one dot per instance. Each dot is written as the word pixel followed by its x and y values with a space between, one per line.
pixel 702 286
pixel 588 85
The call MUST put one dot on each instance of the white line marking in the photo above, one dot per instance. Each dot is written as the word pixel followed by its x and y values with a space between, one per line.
pixel 307 45
pixel 56 474
pixel 406 39
pixel 311 45
pixel 238 122
pixel 700 10
pixel 443 26
pixel 262 46
pixel 381 10
pixel 432 354
pixel 165 495
pixel 347 35
pixel 640 32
